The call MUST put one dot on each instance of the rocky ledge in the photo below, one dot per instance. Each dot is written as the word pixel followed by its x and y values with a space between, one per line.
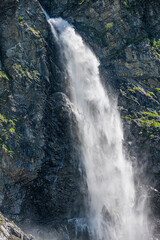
pixel 9 231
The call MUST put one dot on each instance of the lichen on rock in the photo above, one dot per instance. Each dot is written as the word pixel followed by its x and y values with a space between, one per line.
pixel 9 231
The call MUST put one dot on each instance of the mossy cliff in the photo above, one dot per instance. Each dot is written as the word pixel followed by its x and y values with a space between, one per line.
pixel 125 36
pixel 39 158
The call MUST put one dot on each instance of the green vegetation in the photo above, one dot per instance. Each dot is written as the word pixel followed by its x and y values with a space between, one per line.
pixel 139 89
pixel 83 1
pixel 147 120
pixel 158 89
pixel 34 31
pixel 156 47
pixel 18 68
pixel 151 114
pixel 152 135
pixel 156 44
pixel 129 117
pixel 109 26
pixel 3 119
pixel 149 123
pixel 20 19
pixel 3 75
pixel 12 130
pixel 24 72
pixel 7 130
pixel 151 94
pixel 128 5
pixel 125 3
pixel 134 89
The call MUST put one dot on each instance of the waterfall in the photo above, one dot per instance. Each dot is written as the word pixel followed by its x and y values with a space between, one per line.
pixel 114 213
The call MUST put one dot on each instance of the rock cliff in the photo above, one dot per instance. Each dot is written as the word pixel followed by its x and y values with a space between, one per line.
pixel 125 36
pixel 38 166
pixel 39 158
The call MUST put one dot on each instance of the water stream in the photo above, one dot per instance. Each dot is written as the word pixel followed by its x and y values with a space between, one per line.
pixel 114 213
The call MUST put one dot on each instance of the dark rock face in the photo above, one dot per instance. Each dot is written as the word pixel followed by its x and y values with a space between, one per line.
pixel 55 8
pixel 125 36
pixel 23 54
pixel 40 169
pixel 39 159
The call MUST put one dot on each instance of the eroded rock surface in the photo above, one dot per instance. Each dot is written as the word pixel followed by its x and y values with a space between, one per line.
pixel 125 36
pixel 39 157
pixel 9 231
pixel 24 75
pixel 39 162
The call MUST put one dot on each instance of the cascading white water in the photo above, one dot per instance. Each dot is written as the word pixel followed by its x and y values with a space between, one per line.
pixel 113 212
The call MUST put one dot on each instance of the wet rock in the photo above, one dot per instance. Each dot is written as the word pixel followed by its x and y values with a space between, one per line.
pixel 39 158
pixel 40 170
pixel 125 35
pixel 24 76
